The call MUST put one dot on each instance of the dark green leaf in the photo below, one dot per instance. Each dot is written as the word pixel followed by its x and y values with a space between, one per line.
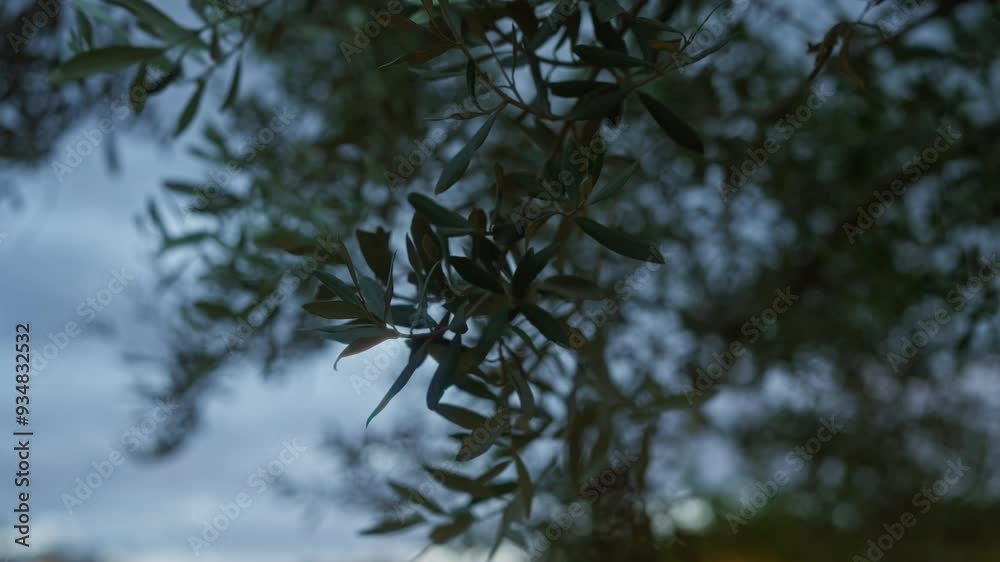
pixel 524 483
pixel 461 417
pixel 447 531
pixel 375 249
pixel 191 109
pixel 362 345
pixel 471 272
pixel 598 104
pixel 417 357
pixel 393 525
pixel 599 56
pixel 577 88
pixel 234 85
pixel 549 327
pixel 455 168
pixel 436 214
pixel 445 373
pixel 335 310
pixel 674 126
pixel 412 495
pixel 605 9
pixel 528 269
pixel 343 291
pixel 107 59
pixel 156 21
pixel 613 187
pixel 350 333
pixel 620 242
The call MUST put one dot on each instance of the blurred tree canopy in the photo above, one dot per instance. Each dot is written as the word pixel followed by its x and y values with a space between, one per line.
pixel 617 236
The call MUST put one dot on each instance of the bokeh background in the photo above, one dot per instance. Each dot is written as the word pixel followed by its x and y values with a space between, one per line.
pixel 67 234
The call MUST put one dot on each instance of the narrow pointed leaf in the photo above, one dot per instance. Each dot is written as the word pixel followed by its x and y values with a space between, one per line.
pixel 455 168
pixel 394 525
pixel 471 272
pixel 599 56
pixel 549 327
pixel 611 188
pixel 436 214
pixel 674 126
pixel 107 59
pixel 375 249
pixel 417 357
pixel 335 310
pixel 191 109
pixel 620 242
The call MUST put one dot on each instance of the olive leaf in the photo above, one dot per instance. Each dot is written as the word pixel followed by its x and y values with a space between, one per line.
pixel 620 242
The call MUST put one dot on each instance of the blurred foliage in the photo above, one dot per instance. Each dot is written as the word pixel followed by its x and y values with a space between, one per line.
pixel 573 213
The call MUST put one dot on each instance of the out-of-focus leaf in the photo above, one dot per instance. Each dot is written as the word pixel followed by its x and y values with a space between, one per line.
pixel 599 56
pixel 613 187
pixel 524 483
pixel 335 310
pixel 447 531
pixel 461 417
pixel 620 242
pixel 577 88
pixel 674 126
pixel 572 287
pixel 394 525
pixel 414 496
pixel 106 59
pixel 457 166
pixel 191 109
pixel 156 21
pixel 605 9
pixel 234 85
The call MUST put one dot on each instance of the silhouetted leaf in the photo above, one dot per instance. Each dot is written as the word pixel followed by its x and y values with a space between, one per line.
pixel 436 214
pixel 620 242
pixel 394 525
pixel 107 59
pixel 414 496
pixel 611 188
pixel 599 56
pixel 577 88
pixel 191 109
pixel 234 85
pixel 335 310
pixel 549 327
pixel 447 531
pixel 362 345
pixel 456 167
pixel 417 357
pixel 375 249
pixel 674 126
pixel 471 272
pixel 444 374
